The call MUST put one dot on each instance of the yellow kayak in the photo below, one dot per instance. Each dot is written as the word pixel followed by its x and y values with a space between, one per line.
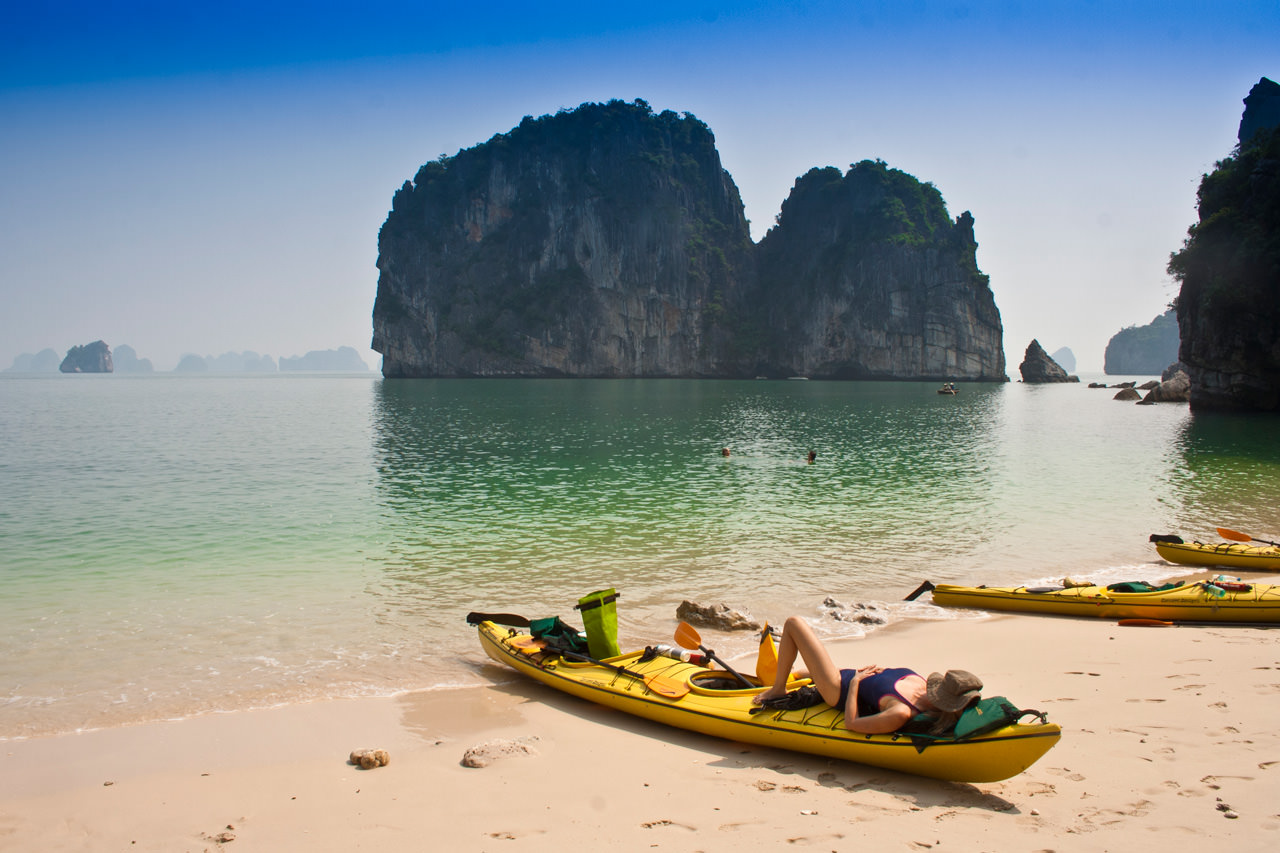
pixel 1192 602
pixel 1233 555
pixel 688 696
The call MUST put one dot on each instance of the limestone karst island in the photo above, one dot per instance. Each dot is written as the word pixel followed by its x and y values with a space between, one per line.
pixel 609 241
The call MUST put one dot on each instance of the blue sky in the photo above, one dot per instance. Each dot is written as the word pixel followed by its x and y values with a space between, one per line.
pixel 212 178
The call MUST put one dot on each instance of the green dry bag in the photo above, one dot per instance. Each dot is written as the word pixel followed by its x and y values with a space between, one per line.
pixel 600 618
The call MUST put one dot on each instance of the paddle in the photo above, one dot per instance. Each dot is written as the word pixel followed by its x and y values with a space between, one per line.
pixel 511 619
pixel 688 638
pixel 1236 535
pixel 657 683
pixel 767 657
pixel 1161 623
pixel 927 586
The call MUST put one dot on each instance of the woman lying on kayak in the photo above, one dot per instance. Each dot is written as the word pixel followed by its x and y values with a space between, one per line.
pixel 886 698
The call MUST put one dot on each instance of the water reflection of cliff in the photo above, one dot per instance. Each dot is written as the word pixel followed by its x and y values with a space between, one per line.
pixel 1227 473
pixel 582 482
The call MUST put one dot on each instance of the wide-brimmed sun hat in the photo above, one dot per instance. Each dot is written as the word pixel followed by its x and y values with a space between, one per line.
pixel 953 691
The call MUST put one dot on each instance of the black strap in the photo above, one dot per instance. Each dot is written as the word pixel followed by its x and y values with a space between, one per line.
pixel 599 602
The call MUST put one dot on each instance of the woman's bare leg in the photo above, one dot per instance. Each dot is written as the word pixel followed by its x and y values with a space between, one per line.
pixel 799 638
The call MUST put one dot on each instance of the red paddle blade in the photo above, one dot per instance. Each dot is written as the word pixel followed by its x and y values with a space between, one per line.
pixel 1235 535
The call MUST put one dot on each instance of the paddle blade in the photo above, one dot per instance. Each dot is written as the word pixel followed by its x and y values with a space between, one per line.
pixel 668 687
pixel 687 637
pixel 767 657
pixel 1235 535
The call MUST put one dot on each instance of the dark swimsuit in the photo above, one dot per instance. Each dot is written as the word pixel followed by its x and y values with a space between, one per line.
pixel 873 688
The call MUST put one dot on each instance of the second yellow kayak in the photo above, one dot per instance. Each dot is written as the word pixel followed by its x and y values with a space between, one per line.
pixel 1192 602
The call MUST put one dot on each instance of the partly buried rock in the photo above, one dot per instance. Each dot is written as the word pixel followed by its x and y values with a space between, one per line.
pixel 1127 394
pixel 1038 367
pixel 863 614
pixel 486 753
pixel 370 758
pixel 718 616
pixel 1173 369
pixel 1175 390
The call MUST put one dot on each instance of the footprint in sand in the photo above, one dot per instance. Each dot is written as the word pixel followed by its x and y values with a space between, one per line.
pixel 829 780
pixel 810 839
pixel 1212 781
pixel 1063 771
pixel 1164 787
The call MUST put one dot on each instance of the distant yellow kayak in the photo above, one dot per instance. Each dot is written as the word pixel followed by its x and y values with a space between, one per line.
pixel 693 697
pixel 1232 555
pixel 1193 602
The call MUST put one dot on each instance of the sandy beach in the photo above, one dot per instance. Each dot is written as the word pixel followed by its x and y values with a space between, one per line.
pixel 1169 737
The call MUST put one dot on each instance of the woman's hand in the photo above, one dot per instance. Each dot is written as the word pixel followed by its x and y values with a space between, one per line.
pixel 869 669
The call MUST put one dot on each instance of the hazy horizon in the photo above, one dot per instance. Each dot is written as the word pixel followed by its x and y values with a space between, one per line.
pixel 212 179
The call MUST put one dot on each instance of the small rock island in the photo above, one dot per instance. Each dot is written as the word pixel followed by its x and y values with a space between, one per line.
pixel 89 358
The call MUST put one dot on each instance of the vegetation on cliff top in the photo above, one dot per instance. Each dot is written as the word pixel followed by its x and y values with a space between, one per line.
pixel 873 201
pixel 1231 258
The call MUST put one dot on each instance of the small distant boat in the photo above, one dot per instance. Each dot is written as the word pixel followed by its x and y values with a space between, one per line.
pixel 947 388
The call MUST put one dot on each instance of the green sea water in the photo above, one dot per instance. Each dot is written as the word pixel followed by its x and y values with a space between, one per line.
pixel 174 545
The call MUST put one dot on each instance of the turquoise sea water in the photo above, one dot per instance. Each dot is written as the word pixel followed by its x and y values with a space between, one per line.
pixel 175 545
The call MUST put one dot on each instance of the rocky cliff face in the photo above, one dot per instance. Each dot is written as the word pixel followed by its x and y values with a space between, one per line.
pixel 604 242
pixel 1261 110
pixel 1038 368
pixel 1229 303
pixel 866 277
pixel 609 241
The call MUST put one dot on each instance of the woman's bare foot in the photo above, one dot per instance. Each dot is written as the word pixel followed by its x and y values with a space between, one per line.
pixel 765 696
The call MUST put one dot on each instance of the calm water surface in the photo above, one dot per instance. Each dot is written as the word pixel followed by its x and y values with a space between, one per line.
pixel 172 545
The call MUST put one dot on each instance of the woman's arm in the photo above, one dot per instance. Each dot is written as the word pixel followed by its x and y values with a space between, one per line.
pixel 888 720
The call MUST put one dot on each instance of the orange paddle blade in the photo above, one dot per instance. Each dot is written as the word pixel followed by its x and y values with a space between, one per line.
pixel 767 658
pixel 666 686
pixel 528 645
pixel 687 637
pixel 1236 535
